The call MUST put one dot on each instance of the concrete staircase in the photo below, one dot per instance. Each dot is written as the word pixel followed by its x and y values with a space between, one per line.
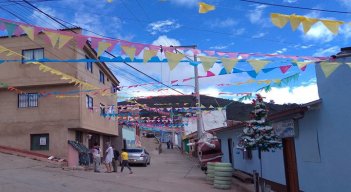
pixel 151 145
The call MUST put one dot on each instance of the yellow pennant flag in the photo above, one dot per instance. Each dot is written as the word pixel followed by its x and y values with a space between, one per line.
pixel 130 51
pixel 102 46
pixel 302 64
pixel 229 64
pixel 204 7
pixel 258 64
pixel 207 62
pixel 307 23
pixel 279 20
pixel 173 59
pixel 333 26
pixel 63 40
pixel 295 21
pixel 329 67
pixel 53 37
pixel 29 31
pixel 148 54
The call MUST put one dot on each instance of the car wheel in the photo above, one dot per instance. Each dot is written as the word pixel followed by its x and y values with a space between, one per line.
pixel 145 164
pixel 149 162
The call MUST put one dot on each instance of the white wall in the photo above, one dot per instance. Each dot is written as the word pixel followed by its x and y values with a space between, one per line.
pixel 211 120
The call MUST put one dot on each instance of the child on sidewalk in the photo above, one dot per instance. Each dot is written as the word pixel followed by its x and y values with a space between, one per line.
pixel 124 157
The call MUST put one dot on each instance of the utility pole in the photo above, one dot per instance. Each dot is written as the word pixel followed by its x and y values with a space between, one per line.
pixel 196 92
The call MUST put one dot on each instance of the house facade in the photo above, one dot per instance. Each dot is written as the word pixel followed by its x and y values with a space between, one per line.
pixel 34 118
pixel 315 156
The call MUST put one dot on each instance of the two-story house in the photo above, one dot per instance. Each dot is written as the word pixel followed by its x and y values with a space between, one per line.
pixel 44 124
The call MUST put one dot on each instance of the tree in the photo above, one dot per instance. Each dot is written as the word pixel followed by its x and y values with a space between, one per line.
pixel 259 134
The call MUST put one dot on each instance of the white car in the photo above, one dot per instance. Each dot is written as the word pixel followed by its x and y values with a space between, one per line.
pixel 138 156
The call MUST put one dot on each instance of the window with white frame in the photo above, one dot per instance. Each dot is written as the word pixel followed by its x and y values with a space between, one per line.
pixel 32 54
pixel 102 77
pixel 89 102
pixel 28 100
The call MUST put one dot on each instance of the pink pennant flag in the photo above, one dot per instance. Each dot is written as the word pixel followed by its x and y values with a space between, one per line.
pixel 293 57
pixel 168 49
pixel 244 55
pixel 138 48
pixel 187 79
pixel 232 55
pixel 81 41
pixel 210 74
pixel 173 81
pixel 113 44
pixel 210 53
pixel 19 31
pixel 2 26
pixel 221 53
pixel 154 47
pixel 95 42
pixel 196 51
pixel 304 68
pixel 285 68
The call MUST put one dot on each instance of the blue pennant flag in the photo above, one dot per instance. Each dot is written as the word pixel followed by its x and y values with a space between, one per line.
pixel 194 63
pixel 252 74
pixel 237 70
pixel 10 27
pixel 223 72
pixel 266 70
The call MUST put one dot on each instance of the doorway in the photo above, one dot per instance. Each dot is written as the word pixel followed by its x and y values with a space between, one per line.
pixel 230 148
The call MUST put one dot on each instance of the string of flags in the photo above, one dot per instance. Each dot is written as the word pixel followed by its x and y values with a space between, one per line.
pixel 60 39
pixel 280 20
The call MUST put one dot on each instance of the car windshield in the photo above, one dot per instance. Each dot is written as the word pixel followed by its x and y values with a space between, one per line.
pixel 134 150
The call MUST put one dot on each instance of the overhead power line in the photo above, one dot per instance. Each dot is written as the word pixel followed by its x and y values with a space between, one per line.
pixel 296 7
pixel 57 21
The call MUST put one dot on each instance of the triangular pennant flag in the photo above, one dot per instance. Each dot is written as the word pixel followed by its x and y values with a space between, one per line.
pixel 252 74
pixel 204 8
pixel 29 31
pixel 266 70
pixel 102 46
pixel 81 41
pixel 148 54
pixel 295 21
pixel 207 62
pixel 223 72
pixel 284 69
pixel 303 68
pixel 279 20
pixel 210 53
pixel 10 28
pixel 139 48
pixel 211 107
pixel 258 64
pixel 229 64
pixel 333 26
pixel 237 70
pixel 173 59
pixel 194 63
pixel 329 67
pixel 63 40
pixel 307 23
pixel 210 74
pixel 53 37
pixel 302 64
pixel 130 51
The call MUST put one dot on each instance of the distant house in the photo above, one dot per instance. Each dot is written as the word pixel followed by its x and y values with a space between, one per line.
pixel 316 154
pixel 38 121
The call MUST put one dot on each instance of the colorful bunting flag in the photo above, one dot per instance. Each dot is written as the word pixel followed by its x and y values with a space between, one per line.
pixel 284 69
pixel 29 31
pixel 302 64
pixel 295 21
pixel 102 46
pixel 258 64
pixel 148 54
pixel 53 37
pixel 279 20
pixel 229 64
pixel 173 59
pixel 307 23
pixel 333 26
pixel 63 40
pixel 207 62
pixel 10 28
pixel 204 7
pixel 329 67
pixel 130 51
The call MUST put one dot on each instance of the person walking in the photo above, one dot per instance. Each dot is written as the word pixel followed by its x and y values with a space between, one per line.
pixel 96 157
pixel 124 156
pixel 109 157
pixel 115 159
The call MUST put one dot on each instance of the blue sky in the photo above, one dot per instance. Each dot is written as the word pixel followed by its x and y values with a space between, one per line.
pixel 234 26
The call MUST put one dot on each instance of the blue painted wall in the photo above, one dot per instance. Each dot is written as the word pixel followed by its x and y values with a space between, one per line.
pixel 326 166
pixel 224 136
pixel 272 162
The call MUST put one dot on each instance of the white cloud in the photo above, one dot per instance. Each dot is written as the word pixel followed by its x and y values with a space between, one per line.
pixel 281 51
pixel 42 20
pixel 327 52
pixel 165 41
pixel 229 22
pixel 345 3
pixel 255 15
pixel 345 30
pixel 164 26
pixel 219 47
pixel 186 3
pixel 239 31
pixel 300 94
pixel 318 33
pixel 306 46
pixel 259 35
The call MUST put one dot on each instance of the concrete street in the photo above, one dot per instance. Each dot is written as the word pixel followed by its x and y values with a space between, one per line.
pixel 170 171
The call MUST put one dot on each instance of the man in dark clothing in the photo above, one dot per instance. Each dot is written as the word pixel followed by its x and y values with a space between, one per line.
pixel 115 160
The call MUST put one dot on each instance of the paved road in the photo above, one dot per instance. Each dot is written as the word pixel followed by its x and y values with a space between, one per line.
pixel 168 172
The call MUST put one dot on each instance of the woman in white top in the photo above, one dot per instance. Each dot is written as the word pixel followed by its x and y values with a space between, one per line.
pixel 108 157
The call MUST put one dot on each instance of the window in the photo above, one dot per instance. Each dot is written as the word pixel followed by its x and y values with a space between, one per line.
pixel 89 65
pixel 102 77
pixel 32 54
pixel 89 102
pixel 39 141
pixel 28 100
pixel 102 110
pixel 79 136
pixel 114 88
